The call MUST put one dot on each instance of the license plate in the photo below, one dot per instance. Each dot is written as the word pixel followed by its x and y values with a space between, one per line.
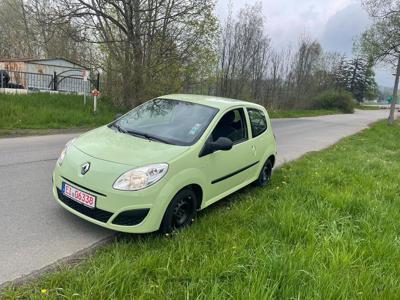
pixel 78 195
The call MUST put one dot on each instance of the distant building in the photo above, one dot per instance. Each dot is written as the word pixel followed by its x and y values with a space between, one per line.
pixel 38 74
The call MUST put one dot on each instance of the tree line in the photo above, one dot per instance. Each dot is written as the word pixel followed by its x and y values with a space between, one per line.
pixel 250 68
pixel 146 48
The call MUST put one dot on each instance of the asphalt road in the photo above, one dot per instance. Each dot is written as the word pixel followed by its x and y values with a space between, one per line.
pixel 36 231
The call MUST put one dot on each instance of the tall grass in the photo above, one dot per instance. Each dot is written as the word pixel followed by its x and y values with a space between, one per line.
pixel 42 110
pixel 58 111
pixel 327 227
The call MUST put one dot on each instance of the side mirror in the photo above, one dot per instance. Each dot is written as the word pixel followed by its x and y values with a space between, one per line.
pixel 118 115
pixel 223 144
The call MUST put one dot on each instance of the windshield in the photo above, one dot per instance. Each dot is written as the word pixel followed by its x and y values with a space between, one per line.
pixel 169 121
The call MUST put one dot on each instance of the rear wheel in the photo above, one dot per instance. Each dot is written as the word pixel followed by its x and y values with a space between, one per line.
pixel 180 212
pixel 265 175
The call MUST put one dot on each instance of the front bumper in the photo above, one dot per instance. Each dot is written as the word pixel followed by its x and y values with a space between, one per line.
pixel 149 221
pixel 133 212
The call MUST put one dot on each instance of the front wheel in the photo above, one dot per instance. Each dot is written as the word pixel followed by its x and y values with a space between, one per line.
pixel 265 175
pixel 180 212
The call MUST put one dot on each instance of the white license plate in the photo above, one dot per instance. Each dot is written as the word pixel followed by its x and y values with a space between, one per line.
pixel 78 195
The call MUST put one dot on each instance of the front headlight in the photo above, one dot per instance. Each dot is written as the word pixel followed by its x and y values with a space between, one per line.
pixel 140 178
pixel 64 152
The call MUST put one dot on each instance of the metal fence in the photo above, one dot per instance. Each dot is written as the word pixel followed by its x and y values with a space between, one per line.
pixel 44 82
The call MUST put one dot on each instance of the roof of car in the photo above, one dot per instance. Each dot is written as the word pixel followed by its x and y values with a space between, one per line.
pixel 213 101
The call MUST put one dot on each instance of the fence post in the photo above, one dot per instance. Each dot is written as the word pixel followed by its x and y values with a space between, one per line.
pixel 98 82
pixel 55 81
pixel 95 104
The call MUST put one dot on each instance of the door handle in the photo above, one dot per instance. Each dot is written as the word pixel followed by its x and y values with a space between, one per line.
pixel 253 148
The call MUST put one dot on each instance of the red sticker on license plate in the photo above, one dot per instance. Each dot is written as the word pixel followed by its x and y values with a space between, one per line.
pixel 78 195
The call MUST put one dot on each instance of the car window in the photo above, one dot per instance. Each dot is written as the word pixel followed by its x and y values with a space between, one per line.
pixel 258 121
pixel 232 126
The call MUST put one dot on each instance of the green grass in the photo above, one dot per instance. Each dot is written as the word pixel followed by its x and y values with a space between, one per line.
pixel 43 111
pixel 302 113
pixel 368 107
pixel 327 227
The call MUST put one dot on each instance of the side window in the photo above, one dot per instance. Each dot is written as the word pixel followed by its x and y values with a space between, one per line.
pixel 232 125
pixel 257 121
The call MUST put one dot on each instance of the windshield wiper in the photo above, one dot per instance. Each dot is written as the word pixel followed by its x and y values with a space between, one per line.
pixel 119 128
pixel 140 134
pixel 147 136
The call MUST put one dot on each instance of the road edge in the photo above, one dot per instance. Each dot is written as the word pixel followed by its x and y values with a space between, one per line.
pixel 72 259
pixel 15 133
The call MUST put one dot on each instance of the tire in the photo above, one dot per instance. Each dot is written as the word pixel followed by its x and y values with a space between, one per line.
pixel 265 174
pixel 4 77
pixel 180 212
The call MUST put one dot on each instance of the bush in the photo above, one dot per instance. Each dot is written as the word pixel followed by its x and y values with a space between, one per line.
pixel 332 99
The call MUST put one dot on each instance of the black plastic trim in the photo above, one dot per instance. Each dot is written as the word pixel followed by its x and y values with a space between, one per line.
pixel 234 173
pixel 94 213
pixel 131 217
pixel 83 187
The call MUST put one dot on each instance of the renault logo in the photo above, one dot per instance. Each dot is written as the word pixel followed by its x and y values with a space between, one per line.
pixel 85 168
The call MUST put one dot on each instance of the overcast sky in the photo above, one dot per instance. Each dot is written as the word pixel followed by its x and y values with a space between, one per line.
pixel 335 23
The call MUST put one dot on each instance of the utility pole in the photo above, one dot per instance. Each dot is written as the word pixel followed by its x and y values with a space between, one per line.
pixel 395 94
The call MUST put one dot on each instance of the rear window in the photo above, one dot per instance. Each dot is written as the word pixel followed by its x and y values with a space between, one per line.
pixel 257 121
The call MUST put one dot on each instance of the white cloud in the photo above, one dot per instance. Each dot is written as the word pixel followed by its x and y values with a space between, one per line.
pixel 343 28
pixel 286 20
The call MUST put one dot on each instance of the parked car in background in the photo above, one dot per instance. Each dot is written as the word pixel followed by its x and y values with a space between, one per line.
pixel 5 81
pixel 156 166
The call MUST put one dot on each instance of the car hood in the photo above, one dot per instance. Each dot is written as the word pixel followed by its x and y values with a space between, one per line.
pixel 108 144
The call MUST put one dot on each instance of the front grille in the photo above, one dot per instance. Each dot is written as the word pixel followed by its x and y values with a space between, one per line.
pixel 131 217
pixel 95 213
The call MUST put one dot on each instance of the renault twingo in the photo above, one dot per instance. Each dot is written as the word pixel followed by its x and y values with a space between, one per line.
pixel 156 166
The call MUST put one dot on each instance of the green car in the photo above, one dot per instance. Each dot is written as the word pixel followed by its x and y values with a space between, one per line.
pixel 156 166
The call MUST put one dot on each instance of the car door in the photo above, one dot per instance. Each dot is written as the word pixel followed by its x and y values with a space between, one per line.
pixel 260 140
pixel 229 170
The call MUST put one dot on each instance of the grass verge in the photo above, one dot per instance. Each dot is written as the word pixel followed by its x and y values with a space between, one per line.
pixel 368 107
pixel 37 113
pixel 302 113
pixel 327 227
pixel 51 111
pixel 29 132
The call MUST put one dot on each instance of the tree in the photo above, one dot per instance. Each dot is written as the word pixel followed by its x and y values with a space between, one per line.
pixel 361 81
pixel 382 8
pixel 29 29
pixel 244 51
pixel 357 77
pixel 15 37
pixel 52 35
pixel 306 66
pixel 382 41
pixel 147 42
pixel 342 74
pixel 251 69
